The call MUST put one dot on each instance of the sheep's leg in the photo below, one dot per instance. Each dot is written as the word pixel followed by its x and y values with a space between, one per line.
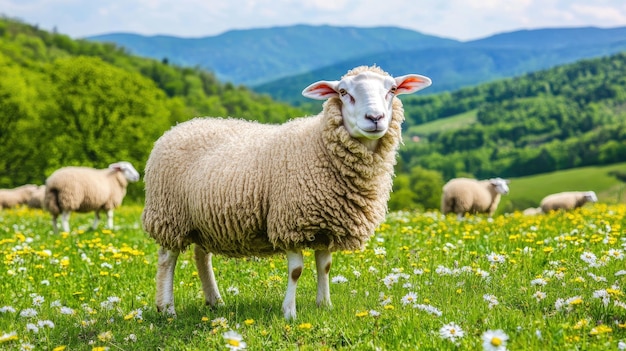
pixel 55 227
pixel 110 219
pixel 204 264
pixel 165 281
pixel 65 221
pixel 96 220
pixel 295 263
pixel 323 260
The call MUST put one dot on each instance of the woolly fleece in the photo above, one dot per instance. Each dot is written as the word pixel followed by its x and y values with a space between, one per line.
pixel 84 189
pixel 16 196
pixel 567 200
pixel 241 188
pixel 464 195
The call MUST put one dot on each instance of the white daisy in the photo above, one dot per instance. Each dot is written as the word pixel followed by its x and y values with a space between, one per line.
pixel 494 340
pixel 451 331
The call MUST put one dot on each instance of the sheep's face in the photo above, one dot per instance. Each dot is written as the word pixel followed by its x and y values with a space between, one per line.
pixel 501 185
pixel 130 173
pixel 590 196
pixel 367 100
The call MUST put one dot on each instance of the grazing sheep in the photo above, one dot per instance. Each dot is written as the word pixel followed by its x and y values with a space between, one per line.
pixel 532 211
pixel 16 196
pixel 567 200
pixel 36 197
pixel 84 189
pixel 464 195
pixel 241 188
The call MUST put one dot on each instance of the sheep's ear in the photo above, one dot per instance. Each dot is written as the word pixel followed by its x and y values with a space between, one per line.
pixel 411 83
pixel 322 90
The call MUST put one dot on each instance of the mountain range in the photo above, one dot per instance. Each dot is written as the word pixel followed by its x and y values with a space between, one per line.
pixel 281 61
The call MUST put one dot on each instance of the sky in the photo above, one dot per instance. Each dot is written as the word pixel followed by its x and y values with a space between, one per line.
pixel 455 19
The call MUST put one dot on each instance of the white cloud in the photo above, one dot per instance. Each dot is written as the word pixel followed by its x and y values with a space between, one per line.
pixel 461 19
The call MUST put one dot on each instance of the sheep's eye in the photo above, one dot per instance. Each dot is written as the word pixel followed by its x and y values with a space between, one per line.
pixel 342 92
pixel 393 90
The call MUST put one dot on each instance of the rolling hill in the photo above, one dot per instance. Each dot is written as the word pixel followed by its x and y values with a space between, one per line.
pixel 281 61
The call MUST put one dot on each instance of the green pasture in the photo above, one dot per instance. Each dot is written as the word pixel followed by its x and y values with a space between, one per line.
pixel 458 121
pixel 604 180
pixel 423 282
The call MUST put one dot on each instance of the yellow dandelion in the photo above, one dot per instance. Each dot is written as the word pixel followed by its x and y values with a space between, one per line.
pixel 205 319
pixel 548 249
pixel 59 348
pixel 389 307
pixel 8 337
pixel 105 336
pixel 601 329
pixel 248 321
pixel 305 326
pixel 362 314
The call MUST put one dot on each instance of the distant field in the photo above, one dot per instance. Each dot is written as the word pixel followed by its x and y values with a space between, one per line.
pixel 528 191
pixel 454 122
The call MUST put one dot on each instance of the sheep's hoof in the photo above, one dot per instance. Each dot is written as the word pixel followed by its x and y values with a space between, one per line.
pixel 169 310
pixel 216 304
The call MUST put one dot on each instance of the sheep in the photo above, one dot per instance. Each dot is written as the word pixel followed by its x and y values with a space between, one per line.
pixel 16 196
pixel 464 195
pixel 241 188
pixel 532 211
pixel 567 200
pixel 85 189
pixel 36 197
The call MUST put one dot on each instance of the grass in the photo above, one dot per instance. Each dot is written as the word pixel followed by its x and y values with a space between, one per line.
pixel 551 282
pixel 439 125
pixel 528 191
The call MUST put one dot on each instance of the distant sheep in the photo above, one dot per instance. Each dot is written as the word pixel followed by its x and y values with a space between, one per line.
pixel 36 197
pixel 567 200
pixel 532 211
pixel 84 189
pixel 464 195
pixel 16 196
pixel 240 189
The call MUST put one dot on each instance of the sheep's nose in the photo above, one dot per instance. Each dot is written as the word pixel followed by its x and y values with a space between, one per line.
pixel 375 119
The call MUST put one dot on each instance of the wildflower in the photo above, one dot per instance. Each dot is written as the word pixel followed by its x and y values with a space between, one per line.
pixel 356 273
pixel 429 309
pixel 390 280
pixel 539 295
pixel 597 278
pixel 494 340
pixel 374 313
pixel 380 251
pixel 338 279
pixel 451 331
pixel 538 281
pixel 361 314
pixel 27 347
pixel 305 326
pixel 491 299
pixel 59 348
pixel 66 310
pixel 496 258
pixel 600 329
pixel 8 337
pixel 105 336
pixel 589 258
pixel 28 313
pixel 45 323
pixel 131 337
pixel 616 254
pixel 620 273
pixel 45 282
pixel 219 322
pixel 603 295
pixel 37 300
pixel 234 341
pixel 233 290
pixel 5 309
pixel 32 328
pixel 409 298
pixel 621 345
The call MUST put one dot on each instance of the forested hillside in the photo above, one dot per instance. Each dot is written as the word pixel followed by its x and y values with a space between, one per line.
pixel 566 117
pixel 67 102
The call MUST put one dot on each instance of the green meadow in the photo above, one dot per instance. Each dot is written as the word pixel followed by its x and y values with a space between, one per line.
pixel 423 282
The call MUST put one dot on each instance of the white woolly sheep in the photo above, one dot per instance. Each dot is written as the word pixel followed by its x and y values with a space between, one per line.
pixel 532 211
pixel 85 189
pixel 567 200
pixel 241 188
pixel 16 196
pixel 36 197
pixel 464 195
